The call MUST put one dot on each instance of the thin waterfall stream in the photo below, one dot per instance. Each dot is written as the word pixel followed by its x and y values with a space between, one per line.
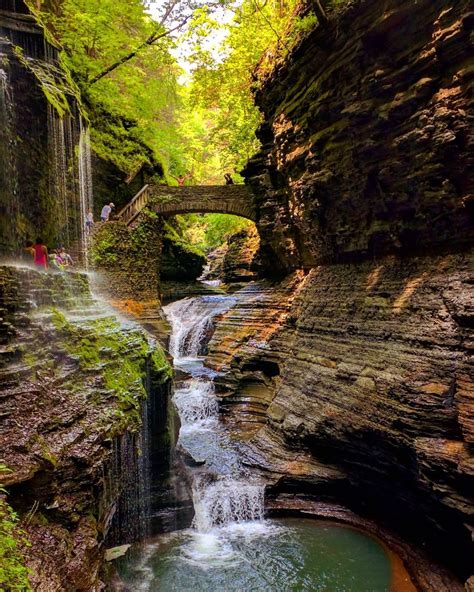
pixel 230 544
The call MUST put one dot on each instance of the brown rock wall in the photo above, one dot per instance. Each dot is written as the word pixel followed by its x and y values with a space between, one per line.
pixel 367 392
pixel 70 415
pixel 366 136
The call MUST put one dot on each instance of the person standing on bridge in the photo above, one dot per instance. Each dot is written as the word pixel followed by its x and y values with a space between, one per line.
pixel 228 179
pixel 105 213
pixel 181 179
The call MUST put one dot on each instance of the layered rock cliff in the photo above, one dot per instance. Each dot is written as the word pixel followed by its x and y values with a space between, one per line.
pixel 363 384
pixel 74 395
pixel 365 139
pixel 45 159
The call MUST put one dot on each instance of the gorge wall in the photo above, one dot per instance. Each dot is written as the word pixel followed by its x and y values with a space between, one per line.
pixel 365 139
pixel 45 159
pixel 362 380
pixel 83 397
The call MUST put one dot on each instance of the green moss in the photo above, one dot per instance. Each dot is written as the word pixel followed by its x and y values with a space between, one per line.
pixel 116 139
pixel 45 452
pixel 56 83
pixel 13 571
pixel 119 356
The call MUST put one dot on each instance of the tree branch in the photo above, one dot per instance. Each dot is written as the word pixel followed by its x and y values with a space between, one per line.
pixel 318 6
pixel 153 38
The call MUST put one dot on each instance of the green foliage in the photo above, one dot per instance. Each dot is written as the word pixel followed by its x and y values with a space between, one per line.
pixel 132 108
pixel 56 83
pixel 218 119
pixel 181 241
pixel 13 571
pixel 208 231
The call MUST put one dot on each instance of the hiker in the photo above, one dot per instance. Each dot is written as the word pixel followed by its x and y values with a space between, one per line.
pixel 89 222
pixel 106 210
pixel 228 179
pixel 41 254
pixel 181 179
pixel 55 261
pixel 66 259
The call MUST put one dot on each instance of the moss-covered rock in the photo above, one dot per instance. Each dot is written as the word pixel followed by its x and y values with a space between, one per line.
pixel 14 575
pixel 76 379
pixel 128 258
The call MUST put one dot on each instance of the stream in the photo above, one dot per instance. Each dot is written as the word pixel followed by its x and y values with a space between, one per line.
pixel 231 545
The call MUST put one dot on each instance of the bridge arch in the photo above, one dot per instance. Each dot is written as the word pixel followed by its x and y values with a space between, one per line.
pixel 168 201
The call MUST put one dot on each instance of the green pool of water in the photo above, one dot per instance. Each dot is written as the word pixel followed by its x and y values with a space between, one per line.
pixel 287 555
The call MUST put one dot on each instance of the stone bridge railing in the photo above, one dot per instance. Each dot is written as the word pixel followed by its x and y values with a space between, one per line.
pixel 168 201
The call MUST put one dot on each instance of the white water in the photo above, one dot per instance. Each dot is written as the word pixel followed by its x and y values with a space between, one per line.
pixel 192 320
pixel 226 502
pixel 85 184
pixel 196 402
pixel 223 495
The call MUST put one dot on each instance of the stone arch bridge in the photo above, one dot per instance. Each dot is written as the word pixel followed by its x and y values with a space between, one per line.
pixel 168 201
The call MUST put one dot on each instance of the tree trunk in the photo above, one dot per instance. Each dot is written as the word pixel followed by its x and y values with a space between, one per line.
pixel 318 6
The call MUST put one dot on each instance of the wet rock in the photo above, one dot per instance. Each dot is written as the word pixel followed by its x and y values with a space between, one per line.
pixel 367 398
pixel 74 391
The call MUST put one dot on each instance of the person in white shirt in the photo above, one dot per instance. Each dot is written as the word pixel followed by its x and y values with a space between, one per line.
pixel 89 221
pixel 104 215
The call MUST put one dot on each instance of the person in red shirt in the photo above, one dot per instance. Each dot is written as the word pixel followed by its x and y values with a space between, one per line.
pixel 41 254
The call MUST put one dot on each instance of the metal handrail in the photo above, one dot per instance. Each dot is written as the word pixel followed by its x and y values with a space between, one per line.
pixel 131 210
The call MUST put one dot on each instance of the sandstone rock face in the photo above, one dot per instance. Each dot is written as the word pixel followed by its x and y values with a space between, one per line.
pixel 72 395
pixel 363 384
pixel 237 259
pixel 365 140
pixel 360 375
pixel 239 262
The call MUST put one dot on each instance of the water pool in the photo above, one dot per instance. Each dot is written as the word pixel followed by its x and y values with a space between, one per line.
pixel 284 555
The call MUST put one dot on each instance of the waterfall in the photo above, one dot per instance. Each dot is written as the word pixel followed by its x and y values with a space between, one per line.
pixel 226 502
pixel 58 179
pixel 196 402
pixel 222 493
pixel 9 194
pixel 51 171
pixel 85 184
pixel 193 323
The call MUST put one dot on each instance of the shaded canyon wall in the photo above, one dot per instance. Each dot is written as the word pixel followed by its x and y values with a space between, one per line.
pixel 45 159
pixel 365 140
pixel 362 383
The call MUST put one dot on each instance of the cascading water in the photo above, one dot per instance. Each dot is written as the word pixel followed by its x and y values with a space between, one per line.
pixel 192 320
pixel 50 169
pixel 226 502
pixel 231 547
pixel 222 494
pixel 9 194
